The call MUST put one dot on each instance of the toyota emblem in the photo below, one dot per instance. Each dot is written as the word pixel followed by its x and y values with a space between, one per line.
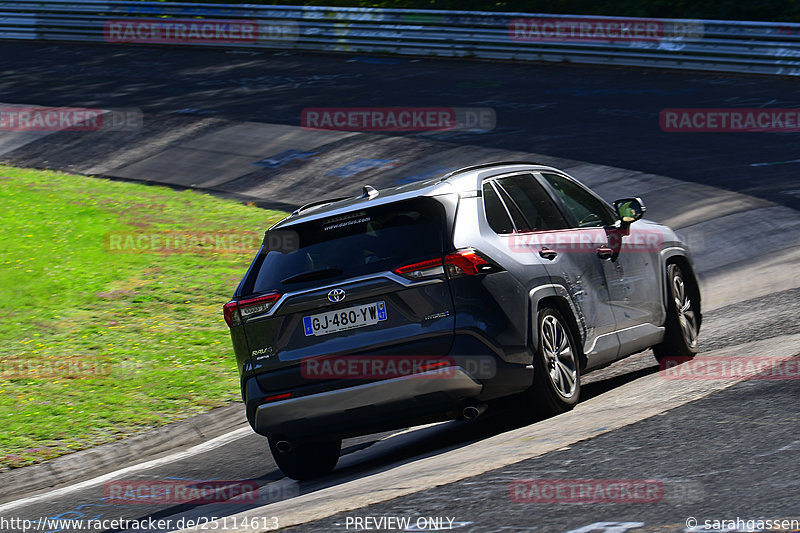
pixel 336 295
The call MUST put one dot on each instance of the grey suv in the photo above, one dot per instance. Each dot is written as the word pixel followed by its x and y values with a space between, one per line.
pixel 424 302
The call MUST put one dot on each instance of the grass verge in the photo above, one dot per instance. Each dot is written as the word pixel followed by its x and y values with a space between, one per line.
pixel 110 308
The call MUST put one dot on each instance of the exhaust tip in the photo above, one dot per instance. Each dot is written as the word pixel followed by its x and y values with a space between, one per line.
pixel 473 411
pixel 283 446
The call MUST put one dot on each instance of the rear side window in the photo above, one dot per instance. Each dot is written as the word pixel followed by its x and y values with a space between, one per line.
pixel 361 242
pixel 496 214
pixel 529 203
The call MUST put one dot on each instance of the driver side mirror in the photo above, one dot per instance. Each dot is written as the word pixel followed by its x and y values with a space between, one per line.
pixel 630 209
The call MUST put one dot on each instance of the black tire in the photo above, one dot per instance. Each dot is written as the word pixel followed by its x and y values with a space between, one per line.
pixel 307 459
pixel 556 365
pixel 683 318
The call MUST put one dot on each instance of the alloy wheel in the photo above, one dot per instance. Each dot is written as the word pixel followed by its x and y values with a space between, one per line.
pixel 559 356
pixel 686 315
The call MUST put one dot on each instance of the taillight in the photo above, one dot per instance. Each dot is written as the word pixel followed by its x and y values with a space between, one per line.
pixel 229 311
pixel 236 312
pixel 423 269
pixel 468 263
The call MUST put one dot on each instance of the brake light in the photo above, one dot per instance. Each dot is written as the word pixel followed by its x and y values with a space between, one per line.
pixel 228 311
pixel 467 263
pixel 423 269
pixel 235 312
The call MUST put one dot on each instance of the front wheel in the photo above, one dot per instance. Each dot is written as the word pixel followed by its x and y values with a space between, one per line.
pixel 556 368
pixel 682 325
pixel 302 460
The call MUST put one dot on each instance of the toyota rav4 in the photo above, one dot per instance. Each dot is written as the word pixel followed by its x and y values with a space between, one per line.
pixel 425 302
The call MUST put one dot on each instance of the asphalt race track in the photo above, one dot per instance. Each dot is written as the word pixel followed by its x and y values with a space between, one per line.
pixel 601 115
pixel 718 450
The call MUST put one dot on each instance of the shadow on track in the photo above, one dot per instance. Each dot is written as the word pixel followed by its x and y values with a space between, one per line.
pixel 371 454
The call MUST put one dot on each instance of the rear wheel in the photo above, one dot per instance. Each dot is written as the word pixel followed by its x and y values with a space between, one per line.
pixel 305 459
pixel 682 325
pixel 556 368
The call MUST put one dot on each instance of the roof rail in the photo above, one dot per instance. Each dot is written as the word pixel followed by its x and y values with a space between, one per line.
pixel 485 165
pixel 319 203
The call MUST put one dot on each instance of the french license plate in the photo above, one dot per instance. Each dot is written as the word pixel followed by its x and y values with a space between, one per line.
pixel 353 317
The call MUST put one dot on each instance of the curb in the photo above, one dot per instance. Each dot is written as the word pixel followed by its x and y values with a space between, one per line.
pixel 108 457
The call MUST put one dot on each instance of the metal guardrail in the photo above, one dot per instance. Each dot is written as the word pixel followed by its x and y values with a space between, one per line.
pixel 730 46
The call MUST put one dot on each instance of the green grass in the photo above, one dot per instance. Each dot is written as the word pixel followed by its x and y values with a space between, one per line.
pixel 98 344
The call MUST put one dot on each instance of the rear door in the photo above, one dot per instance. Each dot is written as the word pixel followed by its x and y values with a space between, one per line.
pixel 348 289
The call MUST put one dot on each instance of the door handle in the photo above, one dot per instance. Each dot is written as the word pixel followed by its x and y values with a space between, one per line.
pixel 547 253
pixel 604 252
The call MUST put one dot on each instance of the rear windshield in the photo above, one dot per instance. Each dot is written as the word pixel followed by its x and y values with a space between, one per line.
pixel 361 242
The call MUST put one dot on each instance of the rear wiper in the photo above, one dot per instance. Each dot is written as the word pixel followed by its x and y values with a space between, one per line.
pixel 321 273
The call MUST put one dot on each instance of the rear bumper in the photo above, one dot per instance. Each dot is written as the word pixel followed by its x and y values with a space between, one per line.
pixel 370 404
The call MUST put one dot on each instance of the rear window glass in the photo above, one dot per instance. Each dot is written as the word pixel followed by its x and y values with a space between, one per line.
pixel 361 242
pixel 496 214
